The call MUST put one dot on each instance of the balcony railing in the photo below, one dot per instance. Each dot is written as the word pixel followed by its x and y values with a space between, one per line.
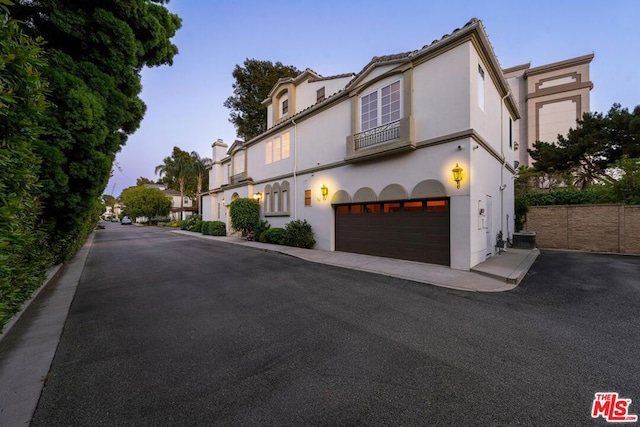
pixel 235 179
pixel 377 135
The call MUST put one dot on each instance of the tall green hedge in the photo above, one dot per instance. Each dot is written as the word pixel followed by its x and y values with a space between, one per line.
pixel 23 255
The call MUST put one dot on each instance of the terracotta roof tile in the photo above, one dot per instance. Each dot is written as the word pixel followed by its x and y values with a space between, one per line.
pixel 336 76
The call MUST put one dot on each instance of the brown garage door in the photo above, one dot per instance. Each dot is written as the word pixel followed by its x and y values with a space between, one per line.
pixel 416 230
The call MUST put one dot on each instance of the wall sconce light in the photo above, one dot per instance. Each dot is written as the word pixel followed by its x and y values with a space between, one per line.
pixel 257 197
pixel 223 201
pixel 325 192
pixel 457 175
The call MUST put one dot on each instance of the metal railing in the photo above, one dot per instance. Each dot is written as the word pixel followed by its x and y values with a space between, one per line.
pixel 377 135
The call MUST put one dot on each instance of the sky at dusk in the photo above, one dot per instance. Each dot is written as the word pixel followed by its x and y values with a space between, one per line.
pixel 185 101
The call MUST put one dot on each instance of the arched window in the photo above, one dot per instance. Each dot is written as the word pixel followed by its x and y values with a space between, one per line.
pixel 284 196
pixel 275 197
pixel 268 202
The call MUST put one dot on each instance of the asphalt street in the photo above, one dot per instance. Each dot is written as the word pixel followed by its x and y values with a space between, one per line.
pixel 167 329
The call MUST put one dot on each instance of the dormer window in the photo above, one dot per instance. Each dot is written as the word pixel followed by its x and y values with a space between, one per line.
pixel 285 107
pixel 320 94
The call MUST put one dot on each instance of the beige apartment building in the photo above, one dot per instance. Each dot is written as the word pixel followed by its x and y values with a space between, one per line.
pixel 550 99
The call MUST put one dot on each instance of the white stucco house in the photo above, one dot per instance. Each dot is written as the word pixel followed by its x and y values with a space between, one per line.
pixel 368 159
pixel 181 207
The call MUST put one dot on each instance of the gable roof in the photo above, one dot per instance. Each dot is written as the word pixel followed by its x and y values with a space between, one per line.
pixel 237 145
pixel 472 30
pixel 306 74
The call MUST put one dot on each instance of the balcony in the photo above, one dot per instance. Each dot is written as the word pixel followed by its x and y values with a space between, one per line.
pixel 238 178
pixel 381 141
pixel 378 135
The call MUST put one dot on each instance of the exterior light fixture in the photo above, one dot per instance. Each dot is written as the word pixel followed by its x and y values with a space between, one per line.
pixel 325 192
pixel 257 197
pixel 223 201
pixel 457 175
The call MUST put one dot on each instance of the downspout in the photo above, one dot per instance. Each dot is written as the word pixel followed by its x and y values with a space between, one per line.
pixel 295 169
pixel 502 185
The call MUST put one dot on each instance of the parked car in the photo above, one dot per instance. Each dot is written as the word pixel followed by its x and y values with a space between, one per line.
pixel 126 221
pixel 114 219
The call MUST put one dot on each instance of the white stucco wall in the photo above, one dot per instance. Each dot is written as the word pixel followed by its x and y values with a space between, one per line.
pixel 256 158
pixel 207 208
pixel 444 102
pixel 306 93
pixel 442 93
pixel 432 163
pixel 377 71
pixel 322 139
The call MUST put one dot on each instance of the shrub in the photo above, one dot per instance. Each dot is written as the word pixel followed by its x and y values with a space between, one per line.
pixel 183 224
pixel 569 196
pixel 299 234
pixel 197 226
pixel 217 228
pixel 260 228
pixel 204 227
pixel 275 235
pixel 24 253
pixel 245 215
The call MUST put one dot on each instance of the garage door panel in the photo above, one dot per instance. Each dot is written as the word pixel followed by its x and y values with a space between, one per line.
pixel 412 235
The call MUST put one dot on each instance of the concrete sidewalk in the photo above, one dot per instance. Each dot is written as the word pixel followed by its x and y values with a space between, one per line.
pixel 29 342
pixel 499 273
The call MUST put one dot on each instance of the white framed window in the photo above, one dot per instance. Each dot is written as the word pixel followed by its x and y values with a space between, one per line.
pixel 369 111
pixel 381 106
pixel 480 87
pixel 268 152
pixel 285 146
pixel 390 103
pixel 277 201
pixel 268 201
pixel 278 148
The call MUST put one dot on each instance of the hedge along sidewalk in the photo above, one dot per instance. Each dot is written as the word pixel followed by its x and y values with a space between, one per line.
pixel 27 351
pixel 50 275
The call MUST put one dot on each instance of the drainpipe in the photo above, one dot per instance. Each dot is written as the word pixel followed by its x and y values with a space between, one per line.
pixel 502 185
pixel 295 169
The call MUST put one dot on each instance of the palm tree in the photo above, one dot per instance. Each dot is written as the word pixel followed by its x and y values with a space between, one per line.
pixel 199 166
pixel 176 169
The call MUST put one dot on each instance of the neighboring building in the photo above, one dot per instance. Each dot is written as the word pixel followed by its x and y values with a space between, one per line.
pixel 550 99
pixel 368 159
pixel 178 211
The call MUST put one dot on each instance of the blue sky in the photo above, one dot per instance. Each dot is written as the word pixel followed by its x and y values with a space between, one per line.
pixel 184 102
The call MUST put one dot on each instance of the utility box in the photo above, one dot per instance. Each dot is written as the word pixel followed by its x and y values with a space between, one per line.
pixel 524 240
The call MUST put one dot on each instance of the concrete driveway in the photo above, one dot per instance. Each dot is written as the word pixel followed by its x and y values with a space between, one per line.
pixel 170 330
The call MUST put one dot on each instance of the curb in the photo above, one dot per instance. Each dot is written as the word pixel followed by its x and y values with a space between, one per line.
pixel 518 274
pixel 506 285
